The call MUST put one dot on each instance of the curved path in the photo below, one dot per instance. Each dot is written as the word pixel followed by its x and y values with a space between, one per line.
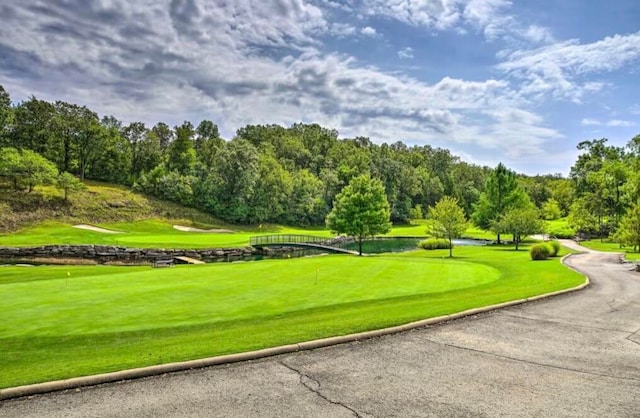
pixel 573 355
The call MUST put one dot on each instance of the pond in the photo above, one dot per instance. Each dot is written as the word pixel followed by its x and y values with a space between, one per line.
pixel 401 244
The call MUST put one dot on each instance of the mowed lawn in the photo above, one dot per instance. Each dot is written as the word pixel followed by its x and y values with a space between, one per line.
pixel 60 322
pixel 154 233
pixel 149 233
pixel 609 246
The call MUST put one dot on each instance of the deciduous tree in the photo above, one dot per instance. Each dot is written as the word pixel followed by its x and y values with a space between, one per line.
pixel 448 220
pixel 521 222
pixel 360 210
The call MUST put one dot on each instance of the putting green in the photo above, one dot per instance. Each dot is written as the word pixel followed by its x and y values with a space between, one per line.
pixel 58 301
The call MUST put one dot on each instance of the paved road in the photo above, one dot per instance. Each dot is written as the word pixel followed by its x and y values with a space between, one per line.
pixel 574 355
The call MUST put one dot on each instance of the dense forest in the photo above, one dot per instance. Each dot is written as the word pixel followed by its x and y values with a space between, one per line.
pixel 291 175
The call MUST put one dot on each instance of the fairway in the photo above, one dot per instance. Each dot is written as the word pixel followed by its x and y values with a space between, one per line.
pixel 105 299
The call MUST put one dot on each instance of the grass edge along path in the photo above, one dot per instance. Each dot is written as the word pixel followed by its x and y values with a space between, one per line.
pixel 611 247
pixel 49 358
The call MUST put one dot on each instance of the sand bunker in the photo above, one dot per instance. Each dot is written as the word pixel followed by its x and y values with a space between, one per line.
pixel 210 231
pixel 96 229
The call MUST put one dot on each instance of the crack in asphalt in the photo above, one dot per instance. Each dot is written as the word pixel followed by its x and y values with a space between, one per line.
pixel 315 388
pixel 551 366
pixel 569 324
pixel 628 337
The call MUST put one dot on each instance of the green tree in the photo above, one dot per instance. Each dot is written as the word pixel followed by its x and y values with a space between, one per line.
pixel 33 128
pixel 580 217
pixel 6 115
pixel 11 166
pixel 360 210
pixel 226 190
pixel 113 163
pixel 629 229
pixel 448 220
pixel 501 194
pixel 551 210
pixel 36 170
pixel 164 134
pixel 182 155
pixel 134 133
pixel 67 182
pixel 272 188
pixel 306 205
pixel 563 192
pixel 521 222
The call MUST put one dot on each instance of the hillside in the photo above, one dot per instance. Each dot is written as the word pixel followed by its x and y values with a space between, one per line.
pixel 99 203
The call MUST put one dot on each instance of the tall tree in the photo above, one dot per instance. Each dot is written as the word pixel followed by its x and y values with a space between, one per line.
pixel 227 189
pixel 360 210
pixel 501 194
pixel 448 220
pixel 33 128
pixel 134 133
pixel 6 116
pixel 113 163
pixel 164 134
pixel 182 155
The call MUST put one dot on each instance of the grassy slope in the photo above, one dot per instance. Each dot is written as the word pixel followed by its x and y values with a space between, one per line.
pixel 99 319
pixel 99 203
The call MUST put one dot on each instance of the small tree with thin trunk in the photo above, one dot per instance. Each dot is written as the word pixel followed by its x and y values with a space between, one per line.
pixel 360 210
pixel 68 183
pixel 521 223
pixel 448 220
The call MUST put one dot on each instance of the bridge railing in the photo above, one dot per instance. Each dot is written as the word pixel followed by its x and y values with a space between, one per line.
pixel 285 239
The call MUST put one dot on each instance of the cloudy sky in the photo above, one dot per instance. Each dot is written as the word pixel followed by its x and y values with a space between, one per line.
pixel 492 80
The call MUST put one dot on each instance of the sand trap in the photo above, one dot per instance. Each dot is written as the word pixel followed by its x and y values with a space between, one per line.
pixel 210 231
pixel 96 229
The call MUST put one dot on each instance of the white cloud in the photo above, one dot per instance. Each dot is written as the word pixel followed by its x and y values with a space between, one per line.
pixel 251 61
pixel 614 123
pixel 590 122
pixel 559 68
pixel 341 29
pixel 406 53
pixel 368 31
pixel 617 123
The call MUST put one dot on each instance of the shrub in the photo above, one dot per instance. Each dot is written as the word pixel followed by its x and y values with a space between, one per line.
pixel 434 244
pixel 540 252
pixel 554 248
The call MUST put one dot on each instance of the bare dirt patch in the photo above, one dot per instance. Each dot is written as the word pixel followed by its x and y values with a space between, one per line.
pixel 209 231
pixel 96 229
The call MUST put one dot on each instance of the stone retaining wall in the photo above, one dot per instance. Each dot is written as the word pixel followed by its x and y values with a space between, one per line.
pixel 115 254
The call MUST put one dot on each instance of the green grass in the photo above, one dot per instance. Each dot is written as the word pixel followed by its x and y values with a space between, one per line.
pixel 99 203
pixel 560 228
pixel 149 233
pixel 610 246
pixel 159 233
pixel 60 322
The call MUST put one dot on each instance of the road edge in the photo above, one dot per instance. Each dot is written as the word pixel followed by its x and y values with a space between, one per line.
pixel 137 373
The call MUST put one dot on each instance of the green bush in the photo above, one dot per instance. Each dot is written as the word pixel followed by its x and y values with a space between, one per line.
pixel 434 244
pixel 554 248
pixel 540 252
pixel 563 233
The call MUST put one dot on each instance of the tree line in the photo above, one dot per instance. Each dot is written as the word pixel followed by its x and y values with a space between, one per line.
pixel 292 175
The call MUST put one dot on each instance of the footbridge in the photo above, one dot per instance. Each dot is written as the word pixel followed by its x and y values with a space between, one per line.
pixel 302 241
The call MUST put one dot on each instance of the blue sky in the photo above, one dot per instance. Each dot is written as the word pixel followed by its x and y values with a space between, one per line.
pixel 491 80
